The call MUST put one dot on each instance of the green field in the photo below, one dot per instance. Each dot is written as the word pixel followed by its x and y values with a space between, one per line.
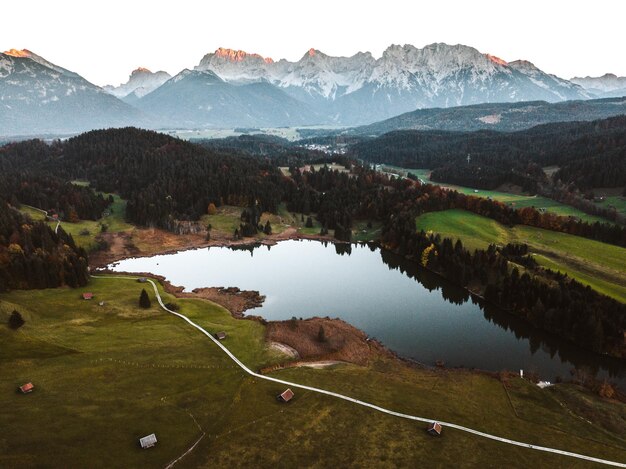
pixel 593 263
pixel 514 200
pixel 228 218
pixel 84 232
pixel 616 201
pixel 107 375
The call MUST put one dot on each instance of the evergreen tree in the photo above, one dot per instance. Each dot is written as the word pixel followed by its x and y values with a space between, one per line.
pixel 144 299
pixel 321 334
pixel 16 320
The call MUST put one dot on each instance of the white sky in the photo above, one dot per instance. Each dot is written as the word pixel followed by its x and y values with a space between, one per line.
pixel 105 40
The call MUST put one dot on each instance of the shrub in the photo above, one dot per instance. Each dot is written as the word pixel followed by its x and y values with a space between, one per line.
pixel 16 320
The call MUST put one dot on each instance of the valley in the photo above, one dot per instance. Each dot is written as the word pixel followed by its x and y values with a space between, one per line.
pixel 357 252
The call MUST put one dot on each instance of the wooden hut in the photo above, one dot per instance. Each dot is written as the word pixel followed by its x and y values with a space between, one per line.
pixel 285 396
pixel 148 441
pixel 26 388
pixel 220 335
pixel 434 428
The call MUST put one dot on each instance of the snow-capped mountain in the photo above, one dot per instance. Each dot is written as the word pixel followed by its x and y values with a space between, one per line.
pixel 199 98
pixel 141 82
pixel 38 97
pixel 608 85
pixel 359 89
pixel 233 88
pixel 236 65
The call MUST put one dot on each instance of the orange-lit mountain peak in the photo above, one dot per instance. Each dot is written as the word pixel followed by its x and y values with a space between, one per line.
pixel 239 55
pixel 312 52
pixel 142 69
pixel 496 60
pixel 18 53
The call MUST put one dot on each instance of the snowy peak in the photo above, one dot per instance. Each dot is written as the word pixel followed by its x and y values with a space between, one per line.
pixel 607 83
pixel 18 53
pixel 26 54
pixel 141 82
pixel 37 96
pixel 238 55
pixel 236 65
pixel 496 60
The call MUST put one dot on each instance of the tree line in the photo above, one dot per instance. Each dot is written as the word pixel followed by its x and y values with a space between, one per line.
pixel 32 255
pixel 589 154
pixel 509 278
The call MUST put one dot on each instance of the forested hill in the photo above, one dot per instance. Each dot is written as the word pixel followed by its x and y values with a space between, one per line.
pixel 505 117
pixel 163 178
pixel 32 255
pixel 590 154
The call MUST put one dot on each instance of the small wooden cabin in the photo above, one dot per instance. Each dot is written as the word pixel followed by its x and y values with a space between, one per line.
pixel 434 428
pixel 26 388
pixel 220 335
pixel 285 396
pixel 148 441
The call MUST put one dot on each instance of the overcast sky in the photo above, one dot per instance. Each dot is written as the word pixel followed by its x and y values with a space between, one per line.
pixel 104 41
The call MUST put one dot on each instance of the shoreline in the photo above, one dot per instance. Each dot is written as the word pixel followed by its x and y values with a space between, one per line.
pixel 101 259
pixel 226 296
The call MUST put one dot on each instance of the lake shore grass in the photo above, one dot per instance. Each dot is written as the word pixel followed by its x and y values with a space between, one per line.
pixel 106 375
pixel 599 265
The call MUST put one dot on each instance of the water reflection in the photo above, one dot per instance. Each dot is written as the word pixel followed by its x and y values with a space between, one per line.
pixel 411 310
pixel 537 339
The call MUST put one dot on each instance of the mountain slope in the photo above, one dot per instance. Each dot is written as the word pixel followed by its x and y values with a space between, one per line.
pixel 38 97
pixel 608 85
pixel 362 89
pixel 195 98
pixel 141 82
pixel 497 116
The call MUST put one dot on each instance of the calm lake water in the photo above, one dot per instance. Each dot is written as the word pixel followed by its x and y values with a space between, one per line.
pixel 410 310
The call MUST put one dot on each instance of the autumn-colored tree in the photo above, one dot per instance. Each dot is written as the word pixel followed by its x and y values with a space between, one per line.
pixel 211 209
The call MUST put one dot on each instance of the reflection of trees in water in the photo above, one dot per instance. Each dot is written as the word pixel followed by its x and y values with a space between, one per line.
pixel 429 280
pixel 537 339
pixel 246 247
pixel 550 344
pixel 343 248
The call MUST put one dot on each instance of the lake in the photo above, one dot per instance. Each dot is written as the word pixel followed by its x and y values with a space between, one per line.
pixel 413 312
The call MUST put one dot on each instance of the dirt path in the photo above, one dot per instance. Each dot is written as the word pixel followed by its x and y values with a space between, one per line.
pixel 367 404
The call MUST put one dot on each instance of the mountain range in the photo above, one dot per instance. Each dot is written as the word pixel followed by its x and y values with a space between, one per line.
pixel 608 85
pixel 38 97
pixel 230 88
pixel 506 117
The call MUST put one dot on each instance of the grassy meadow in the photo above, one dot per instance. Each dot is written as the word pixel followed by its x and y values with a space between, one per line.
pixel 106 375
pixel 593 263
pixel 514 200
pixel 84 232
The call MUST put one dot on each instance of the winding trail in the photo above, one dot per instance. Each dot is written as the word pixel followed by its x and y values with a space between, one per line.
pixel 47 217
pixel 367 404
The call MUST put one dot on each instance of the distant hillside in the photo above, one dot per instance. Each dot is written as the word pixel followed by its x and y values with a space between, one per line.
pixel 498 116
pixel 590 154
